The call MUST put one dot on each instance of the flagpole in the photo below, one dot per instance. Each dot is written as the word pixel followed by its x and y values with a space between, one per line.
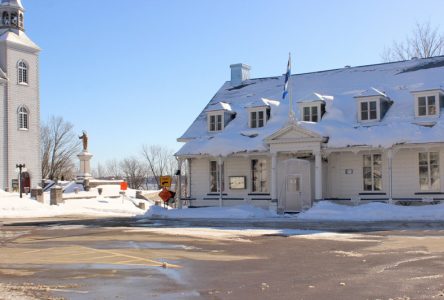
pixel 290 93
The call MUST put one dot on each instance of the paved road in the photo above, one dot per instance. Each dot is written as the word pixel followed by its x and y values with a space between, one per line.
pixel 161 260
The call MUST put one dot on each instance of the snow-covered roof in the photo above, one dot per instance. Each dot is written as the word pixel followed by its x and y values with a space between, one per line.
pixel 371 93
pixel 397 80
pixel 13 3
pixel 262 102
pixel 218 106
pixel 18 37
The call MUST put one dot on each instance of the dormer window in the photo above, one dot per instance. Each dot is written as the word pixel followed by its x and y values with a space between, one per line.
pixel 215 122
pixel 311 114
pixel 428 103
pixel 372 105
pixel 219 114
pixel 259 112
pixel 259 116
pixel 369 110
pixel 312 111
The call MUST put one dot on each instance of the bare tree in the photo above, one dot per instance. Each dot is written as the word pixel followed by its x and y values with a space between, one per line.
pixel 160 160
pixel 58 145
pixel 112 169
pixel 424 41
pixel 134 172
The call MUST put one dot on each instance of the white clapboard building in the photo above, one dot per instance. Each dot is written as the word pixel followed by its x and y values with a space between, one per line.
pixel 19 99
pixel 367 133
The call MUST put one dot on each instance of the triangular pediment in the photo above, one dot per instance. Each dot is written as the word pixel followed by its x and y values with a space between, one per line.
pixel 293 133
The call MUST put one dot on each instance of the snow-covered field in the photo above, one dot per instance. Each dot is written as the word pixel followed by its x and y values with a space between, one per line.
pixel 12 206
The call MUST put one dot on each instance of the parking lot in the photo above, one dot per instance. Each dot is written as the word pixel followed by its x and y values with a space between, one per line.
pixel 120 262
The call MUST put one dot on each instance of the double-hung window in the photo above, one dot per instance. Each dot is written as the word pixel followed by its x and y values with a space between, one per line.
pixel 429 171
pixel 259 176
pixel 369 110
pixel 311 113
pixel 215 122
pixel 426 106
pixel 372 172
pixel 257 119
pixel 215 174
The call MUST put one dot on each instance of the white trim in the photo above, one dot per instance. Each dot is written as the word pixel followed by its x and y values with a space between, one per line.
pixel 215 114
pixel 368 99
pixel 256 110
pixel 316 103
pixel 426 94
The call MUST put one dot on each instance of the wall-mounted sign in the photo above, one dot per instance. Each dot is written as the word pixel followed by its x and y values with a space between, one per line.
pixel 238 182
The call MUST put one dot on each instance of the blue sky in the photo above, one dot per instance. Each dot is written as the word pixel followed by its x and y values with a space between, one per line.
pixel 139 71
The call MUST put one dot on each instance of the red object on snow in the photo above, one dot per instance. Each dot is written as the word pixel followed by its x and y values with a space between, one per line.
pixel 123 186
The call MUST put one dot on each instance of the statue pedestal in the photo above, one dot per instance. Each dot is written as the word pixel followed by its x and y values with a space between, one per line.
pixel 85 167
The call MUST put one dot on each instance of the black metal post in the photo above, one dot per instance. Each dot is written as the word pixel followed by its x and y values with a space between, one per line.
pixel 20 167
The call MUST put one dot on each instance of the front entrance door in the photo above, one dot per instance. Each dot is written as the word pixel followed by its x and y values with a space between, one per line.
pixel 293 201
pixel 26 182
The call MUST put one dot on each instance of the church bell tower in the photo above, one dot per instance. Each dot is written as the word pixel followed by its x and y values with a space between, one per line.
pixel 12 14
pixel 19 101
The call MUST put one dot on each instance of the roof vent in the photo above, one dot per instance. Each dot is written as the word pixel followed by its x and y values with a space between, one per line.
pixel 347 66
pixel 414 58
pixel 239 73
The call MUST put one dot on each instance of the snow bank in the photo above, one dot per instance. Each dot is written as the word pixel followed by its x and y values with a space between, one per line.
pixel 12 206
pixel 234 212
pixel 373 212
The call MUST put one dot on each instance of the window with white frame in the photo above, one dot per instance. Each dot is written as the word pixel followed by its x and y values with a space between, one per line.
pixel 215 122
pixel 372 172
pixel 23 118
pixel 215 185
pixel 259 176
pixel 429 171
pixel 369 110
pixel 310 113
pixel 427 106
pixel 22 72
pixel 257 119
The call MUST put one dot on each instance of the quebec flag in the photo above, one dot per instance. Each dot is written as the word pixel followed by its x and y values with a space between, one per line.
pixel 287 77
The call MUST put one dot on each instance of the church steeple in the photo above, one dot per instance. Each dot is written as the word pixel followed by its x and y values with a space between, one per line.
pixel 12 14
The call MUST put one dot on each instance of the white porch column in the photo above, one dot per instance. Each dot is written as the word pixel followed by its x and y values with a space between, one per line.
pixel 179 182
pixel 318 175
pixel 274 176
pixel 220 163
pixel 390 173
pixel 188 194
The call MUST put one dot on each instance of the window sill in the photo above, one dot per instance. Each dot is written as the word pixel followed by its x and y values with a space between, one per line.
pixel 23 129
pixel 23 84
pixel 370 193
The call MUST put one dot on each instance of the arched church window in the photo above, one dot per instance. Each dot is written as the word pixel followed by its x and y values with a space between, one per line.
pixel 5 18
pixel 21 20
pixel 23 118
pixel 22 72
pixel 14 20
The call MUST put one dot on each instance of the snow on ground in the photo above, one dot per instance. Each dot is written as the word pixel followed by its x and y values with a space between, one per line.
pixel 373 212
pixel 322 211
pixel 12 206
pixel 91 204
pixel 244 234
pixel 232 212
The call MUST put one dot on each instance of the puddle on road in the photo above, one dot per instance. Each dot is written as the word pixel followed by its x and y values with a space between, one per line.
pixel 144 282
pixel 140 245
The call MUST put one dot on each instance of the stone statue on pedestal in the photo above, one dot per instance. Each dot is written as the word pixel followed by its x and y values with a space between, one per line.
pixel 84 138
